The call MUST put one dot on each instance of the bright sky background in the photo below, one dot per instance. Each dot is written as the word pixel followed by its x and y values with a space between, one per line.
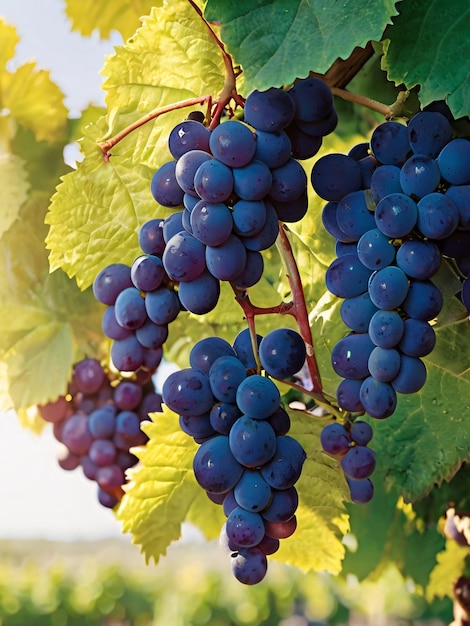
pixel 38 499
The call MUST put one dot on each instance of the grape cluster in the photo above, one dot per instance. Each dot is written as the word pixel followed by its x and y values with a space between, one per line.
pixel 349 446
pixel 230 186
pixel 141 301
pixel 97 423
pixel 395 206
pixel 246 461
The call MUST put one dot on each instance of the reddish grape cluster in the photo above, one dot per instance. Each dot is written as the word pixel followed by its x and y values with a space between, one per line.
pixel 97 423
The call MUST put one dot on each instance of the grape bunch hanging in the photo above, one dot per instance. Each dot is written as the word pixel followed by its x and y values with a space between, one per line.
pixel 397 208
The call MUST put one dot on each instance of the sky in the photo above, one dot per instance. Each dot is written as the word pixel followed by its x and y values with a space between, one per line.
pixel 39 499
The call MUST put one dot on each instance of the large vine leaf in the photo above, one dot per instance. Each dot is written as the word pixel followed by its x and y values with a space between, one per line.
pixel 98 209
pixel 49 323
pixel 450 565
pixel 322 518
pixel 277 41
pixel 10 39
pixel 428 437
pixel 108 15
pixel 435 36
pixel 163 493
pixel 34 100
pixel 162 487
pixel 14 185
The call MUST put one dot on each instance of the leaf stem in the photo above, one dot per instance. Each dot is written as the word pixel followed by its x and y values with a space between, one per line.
pixel 364 101
pixel 300 306
pixel 107 145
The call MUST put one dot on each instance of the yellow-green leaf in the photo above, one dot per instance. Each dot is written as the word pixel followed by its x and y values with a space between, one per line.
pixel 98 209
pixel 34 101
pixel 450 565
pixel 14 186
pixel 162 487
pixel 322 520
pixel 9 38
pixel 108 15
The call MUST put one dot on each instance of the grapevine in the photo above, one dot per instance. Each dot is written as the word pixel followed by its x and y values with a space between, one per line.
pixel 302 372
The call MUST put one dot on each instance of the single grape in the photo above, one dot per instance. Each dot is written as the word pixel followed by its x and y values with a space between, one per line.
pixel 289 181
pixel 152 336
pixel 374 250
pixel 164 186
pixel 225 261
pixel 384 363
pixel 257 396
pixel 388 287
pixel 358 462
pixel 162 306
pixel 428 133
pixel 88 376
pixel 274 149
pixel 378 398
pixel 244 348
pixel 197 426
pixel 330 224
pixel 304 145
pixel 438 215
pixel 385 180
pixel 424 300
pixel 283 505
pixel 335 439
pixel 362 491
pixel 130 309
pixel 211 223
pixel 454 161
pixel 389 143
pixel 102 452
pixel 233 143
pixel 335 175
pixel 347 394
pixel 361 432
pixel 418 259
pixel 312 98
pixel 147 273
pixel 188 392
pixel 201 294
pixel 250 565
pixel 357 312
pixel 350 355
pixel 225 376
pixel 110 326
pixel 270 111
pixel 110 281
pixel 213 181
pixel 396 215
pixel 386 328
pixel 151 237
pixel 188 135
pixel 215 468
pixel 353 215
pixel 252 492
pixel 223 416
pixel 347 277
pixel 252 442
pixel 411 376
pixel 252 181
pixel 282 352
pixel 184 257
pixel 285 467
pixel 419 175
pixel 127 354
pixel 252 272
pixel 248 217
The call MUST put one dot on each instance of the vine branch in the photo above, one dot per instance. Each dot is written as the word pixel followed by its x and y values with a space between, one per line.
pixel 300 306
pixel 357 98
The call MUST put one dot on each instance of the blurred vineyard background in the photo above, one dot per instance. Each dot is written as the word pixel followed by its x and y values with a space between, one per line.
pixel 106 583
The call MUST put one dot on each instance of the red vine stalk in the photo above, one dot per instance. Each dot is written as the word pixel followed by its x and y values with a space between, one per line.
pixel 300 306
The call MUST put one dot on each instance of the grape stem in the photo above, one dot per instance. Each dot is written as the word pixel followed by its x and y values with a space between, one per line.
pixel 300 307
pixel 107 145
pixel 364 101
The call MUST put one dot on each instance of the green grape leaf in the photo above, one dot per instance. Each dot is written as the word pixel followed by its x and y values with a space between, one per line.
pixel 98 209
pixel 435 36
pixel 9 38
pixel 34 101
pixel 206 515
pixel 428 437
pixel 108 15
pixel 49 323
pixel 322 518
pixel 450 565
pixel 277 41
pixel 162 488
pixel 14 185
